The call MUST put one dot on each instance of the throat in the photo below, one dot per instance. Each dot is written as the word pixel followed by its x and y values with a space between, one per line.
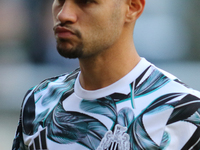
pixel 95 82
pixel 105 69
pixel 102 76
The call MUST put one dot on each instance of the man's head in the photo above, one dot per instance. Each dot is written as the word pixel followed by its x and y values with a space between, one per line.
pixel 84 28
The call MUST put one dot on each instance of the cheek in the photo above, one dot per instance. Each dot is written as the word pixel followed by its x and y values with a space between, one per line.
pixel 98 28
pixel 99 25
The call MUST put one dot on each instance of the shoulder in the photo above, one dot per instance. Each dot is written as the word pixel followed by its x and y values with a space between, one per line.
pixel 166 90
pixel 175 84
pixel 44 97
pixel 156 82
pixel 184 102
pixel 57 80
pixel 176 106
pixel 52 85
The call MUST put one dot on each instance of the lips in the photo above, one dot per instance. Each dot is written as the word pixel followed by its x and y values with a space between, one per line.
pixel 62 32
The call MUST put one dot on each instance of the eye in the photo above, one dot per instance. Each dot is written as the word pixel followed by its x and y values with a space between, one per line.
pixel 88 1
pixel 61 1
pixel 85 2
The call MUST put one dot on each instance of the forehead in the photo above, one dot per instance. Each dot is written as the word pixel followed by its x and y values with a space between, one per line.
pixel 92 5
pixel 90 1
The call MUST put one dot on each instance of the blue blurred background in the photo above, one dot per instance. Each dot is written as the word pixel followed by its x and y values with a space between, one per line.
pixel 167 34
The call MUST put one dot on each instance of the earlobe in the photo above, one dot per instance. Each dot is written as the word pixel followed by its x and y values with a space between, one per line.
pixel 134 10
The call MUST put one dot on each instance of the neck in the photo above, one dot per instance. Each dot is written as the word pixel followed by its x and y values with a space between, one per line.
pixel 109 66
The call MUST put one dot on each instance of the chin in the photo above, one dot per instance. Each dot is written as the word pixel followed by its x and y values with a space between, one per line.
pixel 71 53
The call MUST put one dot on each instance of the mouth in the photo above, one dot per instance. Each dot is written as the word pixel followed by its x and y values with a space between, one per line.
pixel 63 32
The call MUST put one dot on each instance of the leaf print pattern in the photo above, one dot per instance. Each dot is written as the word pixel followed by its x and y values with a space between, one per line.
pixel 153 82
pixel 57 91
pixel 44 108
pixel 69 127
pixel 28 115
pixel 125 117
pixel 183 109
pixel 139 139
pixel 104 106
pixel 30 121
pixel 162 101
pixel 45 84
pixel 165 140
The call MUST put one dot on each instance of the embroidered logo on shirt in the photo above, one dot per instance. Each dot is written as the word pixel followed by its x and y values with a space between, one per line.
pixel 119 140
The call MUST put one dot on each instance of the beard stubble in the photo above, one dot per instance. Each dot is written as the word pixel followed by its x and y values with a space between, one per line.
pixel 72 53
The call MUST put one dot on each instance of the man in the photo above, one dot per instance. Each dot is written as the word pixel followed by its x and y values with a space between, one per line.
pixel 116 100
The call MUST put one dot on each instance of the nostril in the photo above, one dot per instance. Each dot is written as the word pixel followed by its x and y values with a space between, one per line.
pixel 66 16
pixel 66 12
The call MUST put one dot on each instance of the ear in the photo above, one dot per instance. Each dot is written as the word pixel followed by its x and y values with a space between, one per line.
pixel 134 9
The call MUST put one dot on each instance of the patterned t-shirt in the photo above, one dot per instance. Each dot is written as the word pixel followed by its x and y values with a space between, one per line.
pixel 148 109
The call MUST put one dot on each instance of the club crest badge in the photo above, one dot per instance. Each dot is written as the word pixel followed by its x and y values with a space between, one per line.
pixel 117 140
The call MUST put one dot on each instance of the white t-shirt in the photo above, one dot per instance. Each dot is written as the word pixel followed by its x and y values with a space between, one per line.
pixel 145 110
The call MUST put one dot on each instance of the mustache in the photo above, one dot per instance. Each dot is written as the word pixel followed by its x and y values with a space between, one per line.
pixel 75 31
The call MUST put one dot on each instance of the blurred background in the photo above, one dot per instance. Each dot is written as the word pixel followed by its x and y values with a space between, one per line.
pixel 167 34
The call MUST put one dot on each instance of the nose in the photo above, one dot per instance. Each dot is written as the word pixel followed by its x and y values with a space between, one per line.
pixel 68 13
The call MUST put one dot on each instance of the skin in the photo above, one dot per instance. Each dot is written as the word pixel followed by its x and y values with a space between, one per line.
pixel 103 39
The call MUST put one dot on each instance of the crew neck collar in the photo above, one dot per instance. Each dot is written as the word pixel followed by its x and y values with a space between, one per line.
pixel 113 88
